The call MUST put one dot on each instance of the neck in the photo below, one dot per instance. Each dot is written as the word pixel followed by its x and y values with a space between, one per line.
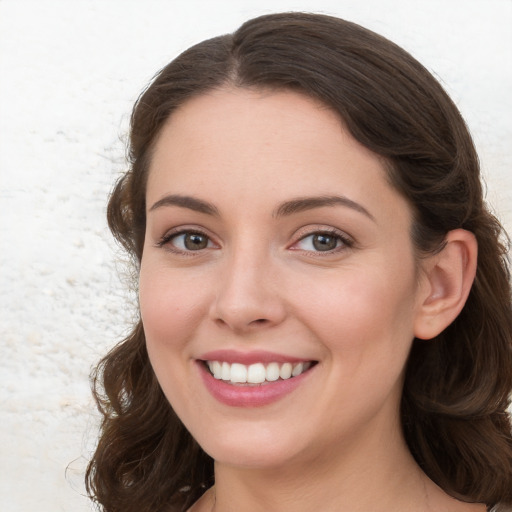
pixel 379 476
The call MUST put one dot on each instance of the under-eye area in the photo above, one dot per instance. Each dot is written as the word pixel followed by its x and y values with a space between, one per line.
pixel 257 373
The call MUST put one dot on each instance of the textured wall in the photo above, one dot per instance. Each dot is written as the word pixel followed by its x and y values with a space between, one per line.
pixel 69 73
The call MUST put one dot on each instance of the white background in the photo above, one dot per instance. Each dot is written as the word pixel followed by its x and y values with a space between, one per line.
pixel 69 73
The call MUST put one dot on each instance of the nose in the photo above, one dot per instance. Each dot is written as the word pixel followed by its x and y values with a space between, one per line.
pixel 248 297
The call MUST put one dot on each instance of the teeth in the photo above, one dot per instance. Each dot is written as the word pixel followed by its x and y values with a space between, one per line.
pixel 238 373
pixel 286 371
pixel 272 372
pixel 226 371
pixel 297 369
pixel 257 373
pixel 216 369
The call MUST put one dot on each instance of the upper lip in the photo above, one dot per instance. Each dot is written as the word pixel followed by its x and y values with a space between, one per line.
pixel 248 358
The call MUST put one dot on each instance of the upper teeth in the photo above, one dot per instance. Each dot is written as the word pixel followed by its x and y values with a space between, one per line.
pixel 255 373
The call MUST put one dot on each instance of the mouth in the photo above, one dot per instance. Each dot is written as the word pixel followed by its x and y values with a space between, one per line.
pixel 257 373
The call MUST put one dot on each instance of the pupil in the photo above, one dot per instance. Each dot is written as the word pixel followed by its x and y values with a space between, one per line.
pixel 195 242
pixel 324 242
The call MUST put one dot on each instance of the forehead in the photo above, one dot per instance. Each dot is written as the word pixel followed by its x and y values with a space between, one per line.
pixel 231 115
pixel 264 144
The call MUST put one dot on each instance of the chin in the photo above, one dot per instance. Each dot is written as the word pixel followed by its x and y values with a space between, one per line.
pixel 251 459
pixel 259 451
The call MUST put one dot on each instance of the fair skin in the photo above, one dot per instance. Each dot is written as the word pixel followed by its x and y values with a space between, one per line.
pixel 238 266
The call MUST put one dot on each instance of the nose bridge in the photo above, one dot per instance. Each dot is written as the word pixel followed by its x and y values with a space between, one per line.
pixel 247 294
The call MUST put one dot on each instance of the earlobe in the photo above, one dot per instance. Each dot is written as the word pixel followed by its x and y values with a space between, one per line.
pixel 448 277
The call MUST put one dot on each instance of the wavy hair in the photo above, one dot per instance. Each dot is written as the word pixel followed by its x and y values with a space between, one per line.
pixel 457 385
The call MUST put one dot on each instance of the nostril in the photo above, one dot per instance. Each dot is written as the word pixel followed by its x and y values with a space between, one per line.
pixel 258 321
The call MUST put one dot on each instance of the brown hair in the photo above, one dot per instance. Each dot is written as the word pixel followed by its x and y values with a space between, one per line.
pixel 457 386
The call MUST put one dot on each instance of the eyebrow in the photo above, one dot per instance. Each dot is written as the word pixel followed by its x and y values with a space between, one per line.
pixel 192 203
pixel 300 204
pixel 309 203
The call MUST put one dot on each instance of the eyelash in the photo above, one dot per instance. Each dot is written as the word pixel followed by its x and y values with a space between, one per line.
pixel 345 241
pixel 166 240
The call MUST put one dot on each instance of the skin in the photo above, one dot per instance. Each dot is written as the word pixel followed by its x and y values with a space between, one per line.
pixel 335 442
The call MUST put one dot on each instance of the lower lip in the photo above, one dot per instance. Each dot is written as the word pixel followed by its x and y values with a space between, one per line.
pixel 249 396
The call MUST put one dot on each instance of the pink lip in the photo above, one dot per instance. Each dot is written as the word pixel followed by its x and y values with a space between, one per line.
pixel 249 395
pixel 247 358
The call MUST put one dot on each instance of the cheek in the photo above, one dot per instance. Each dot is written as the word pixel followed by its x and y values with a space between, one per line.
pixel 364 316
pixel 366 329
pixel 170 304
pixel 170 307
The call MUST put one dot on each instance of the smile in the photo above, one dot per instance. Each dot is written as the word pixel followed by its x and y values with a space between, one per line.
pixel 257 373
pixel 253 379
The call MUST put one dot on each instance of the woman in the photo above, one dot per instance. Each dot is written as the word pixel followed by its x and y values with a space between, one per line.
pixel 305 210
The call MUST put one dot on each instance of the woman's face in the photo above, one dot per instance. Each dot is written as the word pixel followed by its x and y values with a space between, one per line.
pixel 276 245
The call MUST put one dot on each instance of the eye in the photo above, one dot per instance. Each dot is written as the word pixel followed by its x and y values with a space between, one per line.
pixel 322 242
pixel 187 241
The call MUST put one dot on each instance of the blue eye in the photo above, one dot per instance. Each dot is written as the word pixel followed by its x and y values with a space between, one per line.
pixel 321 242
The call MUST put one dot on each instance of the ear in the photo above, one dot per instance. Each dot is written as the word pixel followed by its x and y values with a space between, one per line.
pixel 446 282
